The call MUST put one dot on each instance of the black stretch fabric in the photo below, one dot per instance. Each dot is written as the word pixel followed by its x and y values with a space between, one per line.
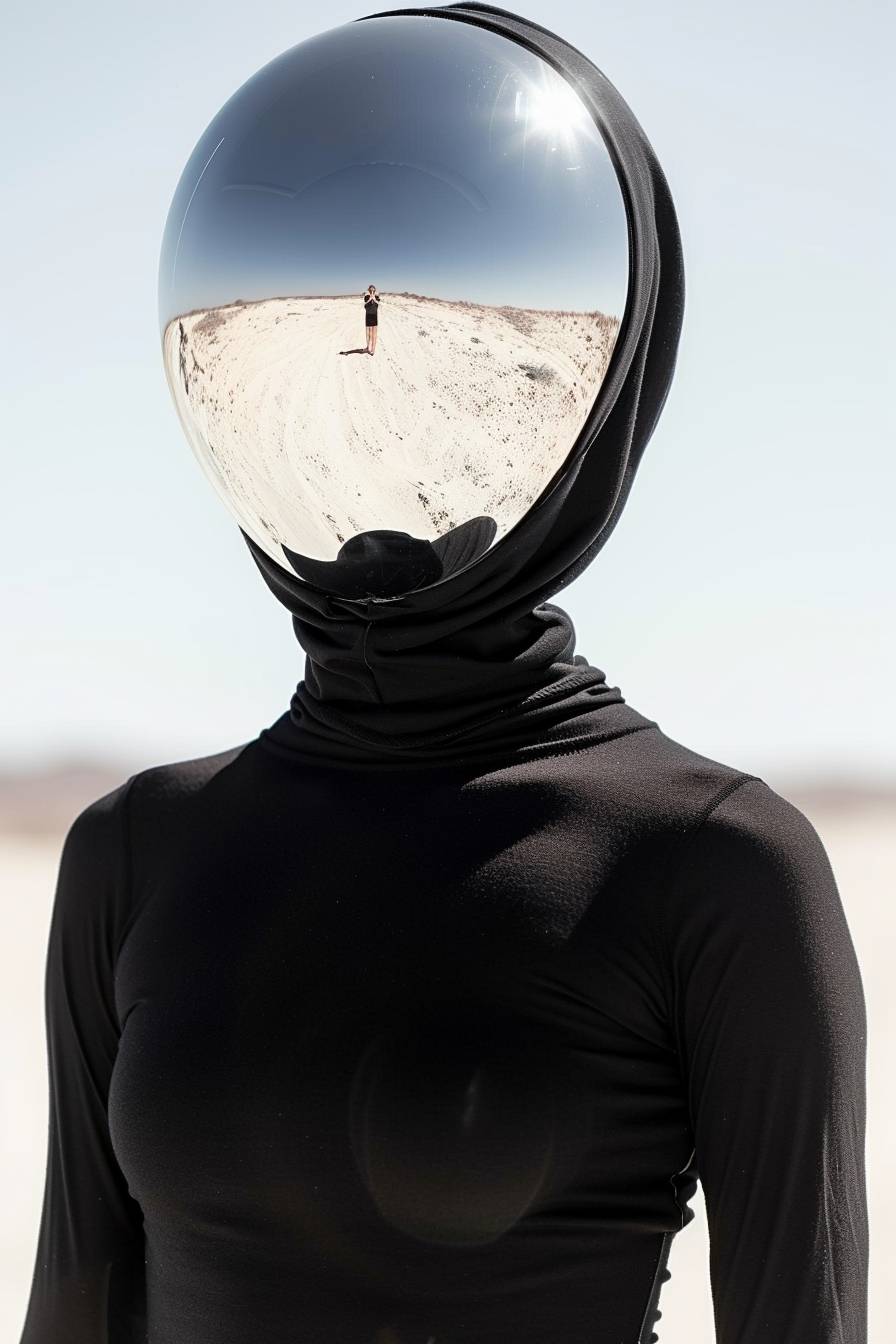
pixel 436 1056
pixel 417 1018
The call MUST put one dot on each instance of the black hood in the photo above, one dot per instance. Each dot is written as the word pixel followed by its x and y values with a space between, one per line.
pixel 478 665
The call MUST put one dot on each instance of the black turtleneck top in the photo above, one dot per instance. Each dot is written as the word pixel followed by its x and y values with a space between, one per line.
pixel 386 1054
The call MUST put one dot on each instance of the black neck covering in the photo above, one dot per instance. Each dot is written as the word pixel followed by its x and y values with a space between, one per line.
pixel 479 666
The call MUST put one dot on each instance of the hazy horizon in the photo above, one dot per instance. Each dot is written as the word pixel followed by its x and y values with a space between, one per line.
pixel 398 293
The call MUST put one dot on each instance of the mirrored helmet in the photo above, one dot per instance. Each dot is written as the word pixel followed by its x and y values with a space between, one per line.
pixel 391 282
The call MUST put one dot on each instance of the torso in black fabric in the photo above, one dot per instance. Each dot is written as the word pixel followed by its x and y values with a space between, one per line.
pixel 436 1055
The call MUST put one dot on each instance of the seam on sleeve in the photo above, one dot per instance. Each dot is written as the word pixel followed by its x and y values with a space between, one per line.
pixel 684 848
pixel 127 867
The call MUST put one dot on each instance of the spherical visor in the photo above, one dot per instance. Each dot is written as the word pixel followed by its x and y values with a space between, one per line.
pixel 391 283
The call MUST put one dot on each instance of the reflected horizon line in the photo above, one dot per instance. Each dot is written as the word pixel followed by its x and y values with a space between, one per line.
pixel 394 293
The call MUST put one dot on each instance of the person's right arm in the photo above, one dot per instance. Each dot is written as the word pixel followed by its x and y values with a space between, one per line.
pixel 88 1283
pixel 769 1014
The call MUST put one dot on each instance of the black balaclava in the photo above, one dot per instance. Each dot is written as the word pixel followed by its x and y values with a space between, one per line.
pixel 478 665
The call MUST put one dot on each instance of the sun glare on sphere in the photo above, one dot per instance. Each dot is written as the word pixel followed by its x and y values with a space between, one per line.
pixel 555 110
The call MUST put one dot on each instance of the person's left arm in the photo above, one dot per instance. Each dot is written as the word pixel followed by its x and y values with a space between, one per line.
pixel 768 1013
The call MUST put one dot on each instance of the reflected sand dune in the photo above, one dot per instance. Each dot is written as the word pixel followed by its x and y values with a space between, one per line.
pixel 289 431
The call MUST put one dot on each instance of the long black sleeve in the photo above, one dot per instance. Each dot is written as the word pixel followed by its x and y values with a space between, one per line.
pixel 88 1281
pixel 769 1016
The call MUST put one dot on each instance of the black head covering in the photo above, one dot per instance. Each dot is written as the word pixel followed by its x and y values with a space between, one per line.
pixel 478 665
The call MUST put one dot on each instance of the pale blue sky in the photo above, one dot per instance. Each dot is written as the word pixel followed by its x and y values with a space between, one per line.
pixel 745 599
pixel 318 173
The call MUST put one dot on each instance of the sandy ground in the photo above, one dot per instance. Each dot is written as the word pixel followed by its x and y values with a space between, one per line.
pixel 464 410
pixel 861 841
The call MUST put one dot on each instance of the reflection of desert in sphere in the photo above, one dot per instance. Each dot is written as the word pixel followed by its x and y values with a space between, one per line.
pixel 453 1126
pixel 466 410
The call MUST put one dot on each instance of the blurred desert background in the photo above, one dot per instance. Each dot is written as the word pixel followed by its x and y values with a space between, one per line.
pixel 857 825
pixel 465 409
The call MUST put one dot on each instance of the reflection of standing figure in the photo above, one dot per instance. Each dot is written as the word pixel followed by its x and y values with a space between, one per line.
pixel 182 358
pixel 371 304
pixel 183 350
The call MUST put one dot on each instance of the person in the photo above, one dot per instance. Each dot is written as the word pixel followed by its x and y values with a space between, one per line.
pixel 371 309
pixel 419 1016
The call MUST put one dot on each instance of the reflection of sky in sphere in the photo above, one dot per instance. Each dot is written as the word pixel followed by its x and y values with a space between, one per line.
pixel 414 153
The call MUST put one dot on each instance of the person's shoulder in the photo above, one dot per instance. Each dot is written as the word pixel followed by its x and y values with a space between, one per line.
pixel 94 881
pixel 651 773
pixel 759 830
pixel 729 802
pixel 170 782
pixel 747 861
pixel 175 781
pixel 96 830
pixel 752 906
pixel 726 804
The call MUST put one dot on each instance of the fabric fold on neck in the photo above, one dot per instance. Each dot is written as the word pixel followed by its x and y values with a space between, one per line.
pixel 422 698
pixel 497 692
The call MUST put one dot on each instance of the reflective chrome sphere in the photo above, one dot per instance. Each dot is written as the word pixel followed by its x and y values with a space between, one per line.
pixel 391 281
